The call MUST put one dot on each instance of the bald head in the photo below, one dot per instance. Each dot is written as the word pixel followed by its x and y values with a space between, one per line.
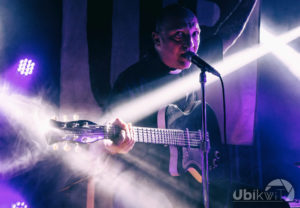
pixel 177 32
pixel 173 13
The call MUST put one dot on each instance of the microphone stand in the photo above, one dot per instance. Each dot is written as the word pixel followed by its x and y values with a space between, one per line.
pixel 204 143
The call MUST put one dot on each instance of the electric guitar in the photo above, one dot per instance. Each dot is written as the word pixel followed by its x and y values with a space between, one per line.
pixel 184 144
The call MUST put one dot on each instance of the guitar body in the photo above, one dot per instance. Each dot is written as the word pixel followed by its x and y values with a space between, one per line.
pixel 183 159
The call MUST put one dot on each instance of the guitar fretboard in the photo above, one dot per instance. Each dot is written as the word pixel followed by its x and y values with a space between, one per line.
pixel 82 132
pixel 164 136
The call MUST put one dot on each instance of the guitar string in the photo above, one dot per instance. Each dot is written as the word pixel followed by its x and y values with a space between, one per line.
pixel 137 128
pixel 170 134
pixel 178 139
pixel 180 136
pixel 150 131
pixel 175 139
pixel 157 133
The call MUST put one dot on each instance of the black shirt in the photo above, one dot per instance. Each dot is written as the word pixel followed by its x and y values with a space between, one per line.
pixel 143 77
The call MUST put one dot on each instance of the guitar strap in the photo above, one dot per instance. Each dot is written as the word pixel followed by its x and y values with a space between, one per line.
pixel 161 123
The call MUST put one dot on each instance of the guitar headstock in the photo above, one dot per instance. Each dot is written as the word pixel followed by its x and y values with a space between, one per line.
pixel 81 131
pixel 72 124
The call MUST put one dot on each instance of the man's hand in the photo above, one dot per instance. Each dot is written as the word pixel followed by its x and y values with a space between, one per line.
pixel 125 141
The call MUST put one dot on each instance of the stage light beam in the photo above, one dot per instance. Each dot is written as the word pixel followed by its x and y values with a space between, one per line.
pixel 289 56
pixel 139 108
pixel 31 117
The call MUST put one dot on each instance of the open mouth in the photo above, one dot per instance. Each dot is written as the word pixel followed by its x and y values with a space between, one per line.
pixel 186 56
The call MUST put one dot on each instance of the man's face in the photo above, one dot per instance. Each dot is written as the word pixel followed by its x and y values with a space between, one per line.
pixel 177 36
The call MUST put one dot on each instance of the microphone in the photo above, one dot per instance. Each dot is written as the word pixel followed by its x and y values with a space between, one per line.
pixel 195 59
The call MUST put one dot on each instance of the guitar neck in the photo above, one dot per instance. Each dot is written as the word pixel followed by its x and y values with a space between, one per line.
pixel 83 132
pixel 166 136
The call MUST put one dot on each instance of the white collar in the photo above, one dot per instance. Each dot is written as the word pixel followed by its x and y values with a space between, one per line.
pixel 176 71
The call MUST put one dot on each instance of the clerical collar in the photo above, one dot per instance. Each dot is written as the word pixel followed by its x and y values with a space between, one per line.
pixel 175 71
pixel 167 68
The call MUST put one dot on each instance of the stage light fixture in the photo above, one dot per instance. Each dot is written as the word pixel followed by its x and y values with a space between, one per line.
pixel 26 67
pixel 11 197
pixel 19 205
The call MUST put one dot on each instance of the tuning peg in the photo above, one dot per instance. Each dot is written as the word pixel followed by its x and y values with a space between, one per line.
pixel 64 125
pixel 53 117
pixel 55 147
pixel 85 139
pixel 215 163
pixel 77 148
pixel 75 125
pixel 65 118
pixel 75 137
pixel 67 147
pixel 217 154
pixel 75 117
pixel 85 125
